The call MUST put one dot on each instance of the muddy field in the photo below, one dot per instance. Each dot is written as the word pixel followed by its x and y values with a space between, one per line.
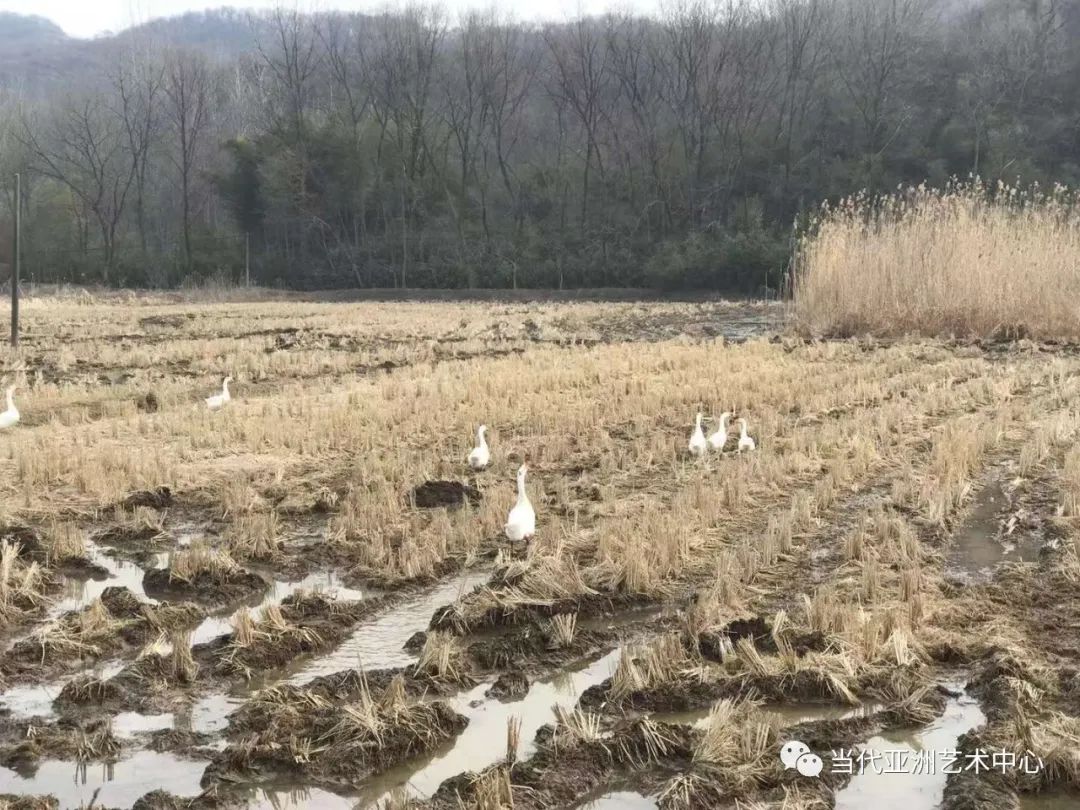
pixel 305 598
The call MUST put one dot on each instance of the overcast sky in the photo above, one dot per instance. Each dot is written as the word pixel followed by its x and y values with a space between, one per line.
pixel 86 18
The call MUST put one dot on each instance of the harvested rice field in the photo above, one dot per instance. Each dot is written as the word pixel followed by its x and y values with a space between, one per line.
pixel 306 598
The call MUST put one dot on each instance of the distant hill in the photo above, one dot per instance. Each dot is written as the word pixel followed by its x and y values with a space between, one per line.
pixel 224 31
pixel 28 30
pixel 37 56
pixel 35 52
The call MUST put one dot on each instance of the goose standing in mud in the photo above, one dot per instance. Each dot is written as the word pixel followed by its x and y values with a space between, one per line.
pixel 746 441
pixel 10 417
pixel 718 439
pixel 480 456
pixel 698 445
pixel 220 400
pixel 521 522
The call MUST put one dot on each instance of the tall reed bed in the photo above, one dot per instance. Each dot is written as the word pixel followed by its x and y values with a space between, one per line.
pixel 967 260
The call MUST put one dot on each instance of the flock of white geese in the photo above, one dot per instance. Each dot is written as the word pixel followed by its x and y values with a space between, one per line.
pixel 521 522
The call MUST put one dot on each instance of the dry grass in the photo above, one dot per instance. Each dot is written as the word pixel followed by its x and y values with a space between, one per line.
pixel 64 541
pixel 255 536
pixel 513 740
pixel 574 728
pixel 660 662
pixel 741 740
pixel 968 260
pixel 563 629
pixel 441 657
pixel 179 665
pixel 21 584
pixel 200 558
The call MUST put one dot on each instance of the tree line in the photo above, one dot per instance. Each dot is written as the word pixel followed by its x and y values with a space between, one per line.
pixel 411 149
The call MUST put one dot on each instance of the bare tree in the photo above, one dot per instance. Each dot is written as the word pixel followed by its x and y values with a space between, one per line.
pixel 82 145
pixel 632 44
pixel 880 46
pixel 693 63
pixel 136 82
pixel 188 90
pixel 401 60
pixel 804 34
pixel 580 76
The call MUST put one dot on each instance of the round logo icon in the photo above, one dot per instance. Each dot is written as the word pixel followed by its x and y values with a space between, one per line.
pixel 809 764
pixel 791 751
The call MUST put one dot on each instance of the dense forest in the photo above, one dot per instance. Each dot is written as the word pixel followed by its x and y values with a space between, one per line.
pixel 414 149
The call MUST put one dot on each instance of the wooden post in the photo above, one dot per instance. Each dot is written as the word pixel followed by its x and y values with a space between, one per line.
pixel 247 258
pixel 16 259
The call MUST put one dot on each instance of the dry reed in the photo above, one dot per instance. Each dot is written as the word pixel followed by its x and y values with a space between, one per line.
pixel 969 259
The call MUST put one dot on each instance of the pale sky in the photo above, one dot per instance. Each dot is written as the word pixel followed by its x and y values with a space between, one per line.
pixel 86 18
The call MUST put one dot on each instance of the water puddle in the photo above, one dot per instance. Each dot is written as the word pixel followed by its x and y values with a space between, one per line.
pixel 271 799
pixel 625 618
pixel 209 715
pixel 322 582
pixel 483 742
pixel 78 593
pixel 377 644
pixel 620 800
pixel 784 714
pixel 128 724
pixel 121 783
pixel 909 788
pixel 979 544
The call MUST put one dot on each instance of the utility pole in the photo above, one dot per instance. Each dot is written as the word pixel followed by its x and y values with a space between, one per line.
pixel 247 258
pixel 16 258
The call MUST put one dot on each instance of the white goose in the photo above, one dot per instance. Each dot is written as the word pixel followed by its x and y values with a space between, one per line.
pixel 220 400
pixel 746 441
pixel 10 417
pixel 698 445
pixel 480 456
pixel 718 439
pixel 521 523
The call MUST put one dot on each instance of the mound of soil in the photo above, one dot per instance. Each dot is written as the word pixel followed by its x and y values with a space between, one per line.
pixel 415 642
pixel 157 619
pixel 82 637
pixel 433 494
pixel 87 690
pixel 121 602
pixel 600 604
pixel 174 740
pixel 531 650
pixel 412 731
pixel 23 536
pixel 93 741
pixel 316 623
pixel 159 498
pixel 560 775
pixel 125 536
pixel 161 800
pixel 12 802
pixel 205 587
pixel 509 686
pixel 32 547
